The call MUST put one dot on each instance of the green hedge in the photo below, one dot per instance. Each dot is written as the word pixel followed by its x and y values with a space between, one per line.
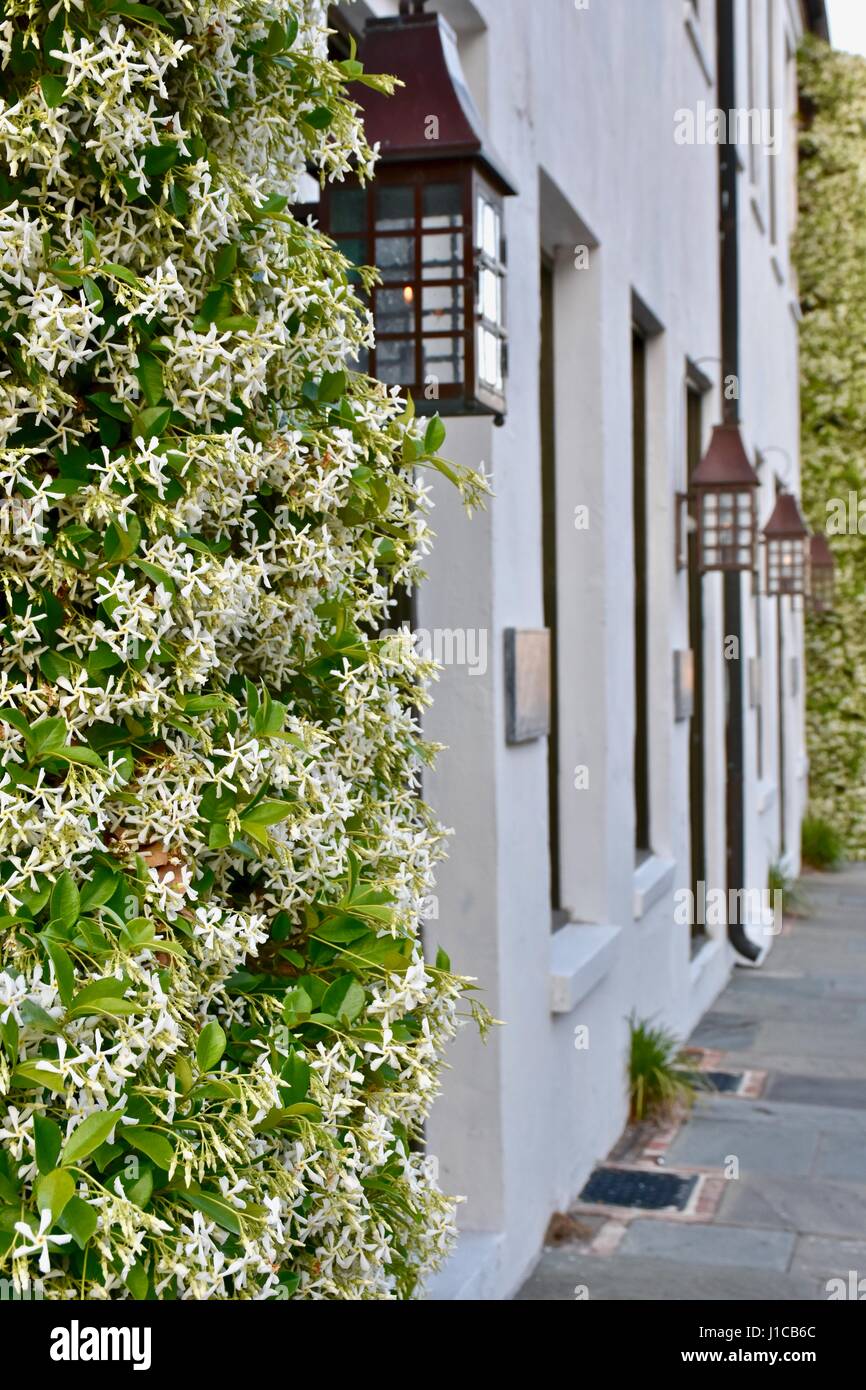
pixel 831 257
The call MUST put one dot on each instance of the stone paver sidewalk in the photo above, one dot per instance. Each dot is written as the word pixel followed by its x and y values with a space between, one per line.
pixel 795 1216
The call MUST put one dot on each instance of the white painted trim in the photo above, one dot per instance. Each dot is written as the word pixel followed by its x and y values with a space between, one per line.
pixel 693 29
pixel 581 954
pixel 766 796
pixel 652 879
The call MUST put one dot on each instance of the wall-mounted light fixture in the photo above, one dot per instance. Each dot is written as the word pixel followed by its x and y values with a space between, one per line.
pixel 822 566
pixel 430 220
pixel 786 538
pixel 724 486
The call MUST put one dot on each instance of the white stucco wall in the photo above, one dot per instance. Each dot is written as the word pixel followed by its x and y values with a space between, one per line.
pixel 580 105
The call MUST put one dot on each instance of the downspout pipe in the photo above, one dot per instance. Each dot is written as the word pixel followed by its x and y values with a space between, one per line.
pixel 733 594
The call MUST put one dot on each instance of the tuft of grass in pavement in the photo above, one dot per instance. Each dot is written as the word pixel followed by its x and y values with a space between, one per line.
pixel 794 900
pixel 660 1074
pixel 822 845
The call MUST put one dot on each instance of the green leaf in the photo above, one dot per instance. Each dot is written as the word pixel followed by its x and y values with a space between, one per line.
pixel 151 422
pixel 210 1046
pixel 266 813
pixel 118 544
pixel 120 272
pixel 319 119
pixel 53 89
pixel 158 159
pixel 99 889
pixel 150 378
pixel 146 13
pixel 63 969
pixel 219 836
pixel 78 753
pixel 183 1072
pixel 157 575
pixel 93 1131
pixel 93 293
pixel 225 262
pixel 105 402
pixel 297 1002
pixel 225 1216
pixel 137 1281
pixel 149 1142
pixel 79 1220
pixel 47 735
pixel 332 386
pixel 99 989
pixel 107 1004
pixel 345 999
pixel 54 1191
pixel 179 199
pixel 49 1139
pixel 65 901
pixel 434 435
pixel 34 1074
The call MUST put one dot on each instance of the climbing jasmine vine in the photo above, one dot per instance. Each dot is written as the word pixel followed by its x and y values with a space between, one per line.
pixel 219 1034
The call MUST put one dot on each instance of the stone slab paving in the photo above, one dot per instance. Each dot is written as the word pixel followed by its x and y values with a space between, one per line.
pixel 710 1244
pixel 794 1215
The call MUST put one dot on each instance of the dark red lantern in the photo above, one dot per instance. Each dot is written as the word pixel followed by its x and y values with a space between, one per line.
pixel 822 576
pixel 724 487
pixel 431 221
pixel 786 537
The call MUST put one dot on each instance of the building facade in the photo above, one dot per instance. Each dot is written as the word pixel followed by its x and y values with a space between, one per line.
pixel 576 868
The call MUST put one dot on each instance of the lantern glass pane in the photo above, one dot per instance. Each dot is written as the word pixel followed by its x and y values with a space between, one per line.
pixel 395 361
pixel 442 255
pixel 489 354
pixel 443 359
pixel 355 248
pixel 442 205
pixel 395 257
pixel 395 310
pixel 726 522
pixel 442 308
pixel 348 209
pixel 786 566
pixel 489 295
pixel 487 228
pixel 395 208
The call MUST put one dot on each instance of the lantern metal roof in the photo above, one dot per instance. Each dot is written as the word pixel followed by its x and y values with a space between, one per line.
pixel 820 554
pixel 786 521
pixel 726 463
pixel 421 50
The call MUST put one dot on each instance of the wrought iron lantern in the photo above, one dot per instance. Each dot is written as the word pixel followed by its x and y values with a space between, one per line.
pixel 431 221
pixel 786 538
pixel 822 577
pixel 724 490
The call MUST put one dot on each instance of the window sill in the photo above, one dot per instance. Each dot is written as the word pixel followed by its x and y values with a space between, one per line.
pixel 653 877
pixel 581 954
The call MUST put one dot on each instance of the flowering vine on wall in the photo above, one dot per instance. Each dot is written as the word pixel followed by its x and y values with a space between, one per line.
pixel 218 1034
pixel 831 257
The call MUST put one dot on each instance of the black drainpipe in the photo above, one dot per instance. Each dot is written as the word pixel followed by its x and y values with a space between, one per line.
pixel 733 614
